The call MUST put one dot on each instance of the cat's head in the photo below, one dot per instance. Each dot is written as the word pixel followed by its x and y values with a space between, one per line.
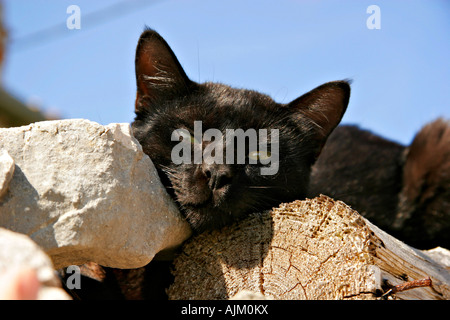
pixel 180 124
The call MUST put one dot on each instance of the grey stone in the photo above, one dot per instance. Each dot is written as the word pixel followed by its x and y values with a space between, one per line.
pixel 86 192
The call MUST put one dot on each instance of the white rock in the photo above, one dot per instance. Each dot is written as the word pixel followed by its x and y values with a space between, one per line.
pixel 51 293
pixel 19 253
pixel 86 192
pixel 6 171
pixel 440 255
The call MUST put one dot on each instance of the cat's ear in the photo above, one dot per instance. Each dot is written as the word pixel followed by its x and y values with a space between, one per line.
pixel 159 75
pixel 321 109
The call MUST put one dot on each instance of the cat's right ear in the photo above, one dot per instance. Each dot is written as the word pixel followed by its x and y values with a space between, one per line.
pixel 322 109
pixel 159 75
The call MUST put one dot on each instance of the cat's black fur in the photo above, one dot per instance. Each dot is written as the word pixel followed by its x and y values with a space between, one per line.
pixel 211 196
pixel 404 190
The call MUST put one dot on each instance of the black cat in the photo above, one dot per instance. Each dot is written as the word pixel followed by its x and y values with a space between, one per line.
pixel 404 190
pixel 213 195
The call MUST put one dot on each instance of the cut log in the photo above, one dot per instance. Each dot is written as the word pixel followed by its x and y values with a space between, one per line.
pixel 311 249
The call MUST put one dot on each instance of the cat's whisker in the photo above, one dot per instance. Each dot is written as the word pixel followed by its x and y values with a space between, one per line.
pixel 268 187
pixel 166 168
pixel 169 171
pixel 265 187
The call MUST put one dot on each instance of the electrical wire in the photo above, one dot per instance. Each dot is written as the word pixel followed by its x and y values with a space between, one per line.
pixel 89 20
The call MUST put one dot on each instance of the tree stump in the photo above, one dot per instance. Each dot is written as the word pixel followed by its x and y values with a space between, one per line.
pixel 311 249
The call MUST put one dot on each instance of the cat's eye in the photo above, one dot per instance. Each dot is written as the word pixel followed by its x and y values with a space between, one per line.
pixel 186 135
pixel 259 155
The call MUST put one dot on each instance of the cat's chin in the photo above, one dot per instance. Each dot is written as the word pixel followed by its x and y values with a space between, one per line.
pixel 208 216
pixel 205 198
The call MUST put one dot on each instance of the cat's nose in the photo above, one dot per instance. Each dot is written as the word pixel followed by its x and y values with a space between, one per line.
pixel 218 175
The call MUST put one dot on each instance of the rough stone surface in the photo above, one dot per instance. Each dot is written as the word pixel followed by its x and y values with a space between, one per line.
pixel 440 255
pixel 86 192
pixel 6 171
pixel 18 251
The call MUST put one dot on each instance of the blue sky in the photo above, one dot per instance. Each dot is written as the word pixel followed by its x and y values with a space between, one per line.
pixel 284 48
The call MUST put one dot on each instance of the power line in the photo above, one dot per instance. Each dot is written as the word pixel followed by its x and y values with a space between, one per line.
pixel 89 20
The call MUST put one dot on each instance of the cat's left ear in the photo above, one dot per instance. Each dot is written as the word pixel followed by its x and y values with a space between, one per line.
pixel 322 109
pixel 159 75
